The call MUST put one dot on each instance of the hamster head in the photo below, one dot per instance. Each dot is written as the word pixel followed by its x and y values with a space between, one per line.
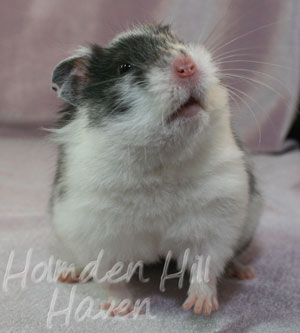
pixel 146 87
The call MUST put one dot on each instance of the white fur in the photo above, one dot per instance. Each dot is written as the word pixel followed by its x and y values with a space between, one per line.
pixel 138 187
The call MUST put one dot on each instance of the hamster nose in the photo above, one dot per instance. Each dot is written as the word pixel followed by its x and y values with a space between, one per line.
pixel 184 66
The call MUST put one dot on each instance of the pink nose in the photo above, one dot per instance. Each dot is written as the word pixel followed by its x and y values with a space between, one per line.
pixel 184 66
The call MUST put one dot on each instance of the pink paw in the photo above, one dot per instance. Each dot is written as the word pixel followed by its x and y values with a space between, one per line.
pixel 242 272
pixel 72 277
pixel 68 277
pixel 123 308
pixel 203 300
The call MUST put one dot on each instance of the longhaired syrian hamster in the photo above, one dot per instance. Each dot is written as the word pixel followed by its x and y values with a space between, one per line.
pixel 148 161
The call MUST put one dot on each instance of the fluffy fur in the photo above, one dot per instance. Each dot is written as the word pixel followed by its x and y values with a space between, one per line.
pixel 137 185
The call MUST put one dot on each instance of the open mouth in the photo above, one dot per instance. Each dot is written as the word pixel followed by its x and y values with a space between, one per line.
pixel 187 110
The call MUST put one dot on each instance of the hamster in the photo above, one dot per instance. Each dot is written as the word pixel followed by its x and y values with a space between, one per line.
pixel 148 161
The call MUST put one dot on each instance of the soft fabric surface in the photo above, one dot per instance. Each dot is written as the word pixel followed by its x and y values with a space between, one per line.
pixel 263 36
pixel 270 303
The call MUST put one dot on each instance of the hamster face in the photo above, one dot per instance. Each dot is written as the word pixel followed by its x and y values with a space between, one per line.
pixel 145 86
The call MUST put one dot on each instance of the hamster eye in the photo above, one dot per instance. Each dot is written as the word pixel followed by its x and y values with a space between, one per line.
pixel 124 68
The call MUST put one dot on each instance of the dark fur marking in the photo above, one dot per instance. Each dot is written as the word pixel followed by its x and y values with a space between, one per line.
pixel 66 114
pixel 60 170
pixel 142 51
pixel 251 180
pixel 250 175
pixel 58 189
pixel 95 86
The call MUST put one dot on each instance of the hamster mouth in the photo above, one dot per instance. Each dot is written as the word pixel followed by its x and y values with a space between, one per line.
pixel 188 110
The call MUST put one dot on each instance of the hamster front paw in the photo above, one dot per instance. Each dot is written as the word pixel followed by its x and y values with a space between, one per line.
pixel 202 297
pixel 72 276
pixel 123 308
pixel 119 301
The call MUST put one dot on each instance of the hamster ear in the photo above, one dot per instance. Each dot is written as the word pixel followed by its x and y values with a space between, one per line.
pixel 69 78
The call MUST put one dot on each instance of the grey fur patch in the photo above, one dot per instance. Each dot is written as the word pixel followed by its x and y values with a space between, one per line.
pixel 244 247
pixel 146 47
pixel 58 187
pixel 92 79
pixel 251 178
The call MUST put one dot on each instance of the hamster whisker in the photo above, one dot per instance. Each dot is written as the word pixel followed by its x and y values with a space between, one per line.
pixel 212 31
pixel 216 37
pixel 245 35
pixel 256 72
pixel 237 50
pixel 254 101
pixel 248 106
pixel 241 77
pixel 234 56
pixel 233 98
pixel 254 61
